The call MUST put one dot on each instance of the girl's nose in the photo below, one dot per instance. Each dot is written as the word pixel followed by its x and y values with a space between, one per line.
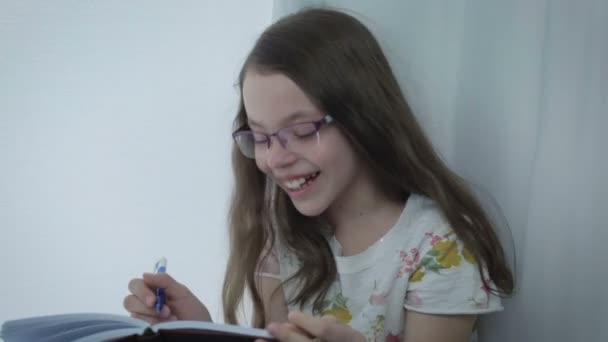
pixel 278 156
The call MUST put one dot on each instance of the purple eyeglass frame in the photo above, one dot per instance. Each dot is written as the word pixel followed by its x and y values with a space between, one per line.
pixel 246 130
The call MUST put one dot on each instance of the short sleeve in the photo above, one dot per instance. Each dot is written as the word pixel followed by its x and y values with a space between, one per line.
pixel 268 265
pixel 446 279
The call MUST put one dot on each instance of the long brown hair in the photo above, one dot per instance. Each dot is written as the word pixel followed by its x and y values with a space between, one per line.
pixel 338 63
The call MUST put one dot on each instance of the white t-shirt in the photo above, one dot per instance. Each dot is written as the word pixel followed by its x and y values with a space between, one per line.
pixel 419 265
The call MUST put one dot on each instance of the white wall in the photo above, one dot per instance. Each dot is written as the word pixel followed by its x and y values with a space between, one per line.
pixel 114 146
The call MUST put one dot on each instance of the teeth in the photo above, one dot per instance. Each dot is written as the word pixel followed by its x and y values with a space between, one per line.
pixel 295 184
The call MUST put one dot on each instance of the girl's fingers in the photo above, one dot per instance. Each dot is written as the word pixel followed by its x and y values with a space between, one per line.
pixel 143 288
pixel 134 305
pixel 314 326
pixel 297 329
pixel 287 332
pixel 173 289
pixel 140 290
pixel 154 318
pixel 327 328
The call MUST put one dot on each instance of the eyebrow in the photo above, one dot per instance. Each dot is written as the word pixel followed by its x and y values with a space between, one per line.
pixel 289 119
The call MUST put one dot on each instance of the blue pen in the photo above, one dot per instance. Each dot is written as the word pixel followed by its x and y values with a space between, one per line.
pixel 160 267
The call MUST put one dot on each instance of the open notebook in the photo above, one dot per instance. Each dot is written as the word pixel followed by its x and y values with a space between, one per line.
pixel 92 327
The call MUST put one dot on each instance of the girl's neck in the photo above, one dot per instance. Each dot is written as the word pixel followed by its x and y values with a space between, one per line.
pixel 362 216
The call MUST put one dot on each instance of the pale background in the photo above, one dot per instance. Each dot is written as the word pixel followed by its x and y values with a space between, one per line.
pixel 115 129
pixel 114 122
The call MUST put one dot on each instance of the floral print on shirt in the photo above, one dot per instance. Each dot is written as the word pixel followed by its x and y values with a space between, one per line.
pixel 444 254
pixel 337 307
pixel 422 267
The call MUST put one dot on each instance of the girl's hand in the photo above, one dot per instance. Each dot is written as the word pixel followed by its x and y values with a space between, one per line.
pixel 302 327
pixel 180 303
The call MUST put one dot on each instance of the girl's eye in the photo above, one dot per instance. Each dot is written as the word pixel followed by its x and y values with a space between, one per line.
pixel 259 138
pixel 304 130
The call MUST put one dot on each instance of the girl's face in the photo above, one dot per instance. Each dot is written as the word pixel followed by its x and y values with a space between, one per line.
pixel 315 170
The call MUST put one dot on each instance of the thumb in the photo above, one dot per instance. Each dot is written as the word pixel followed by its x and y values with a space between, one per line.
pixel 165 281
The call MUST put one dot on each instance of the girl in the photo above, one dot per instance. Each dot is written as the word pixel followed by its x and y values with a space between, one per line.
pixel 344 225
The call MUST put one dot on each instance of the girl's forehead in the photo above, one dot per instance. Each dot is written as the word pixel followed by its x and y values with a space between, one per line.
pixel 271 90
pixel 272 99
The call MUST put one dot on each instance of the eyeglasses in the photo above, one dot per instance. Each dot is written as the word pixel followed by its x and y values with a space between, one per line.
pixel 295 138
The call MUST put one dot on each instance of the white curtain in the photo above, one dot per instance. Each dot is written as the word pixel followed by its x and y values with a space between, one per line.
pixel 514 96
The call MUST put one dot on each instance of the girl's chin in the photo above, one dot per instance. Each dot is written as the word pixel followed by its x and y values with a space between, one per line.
pixel 308 209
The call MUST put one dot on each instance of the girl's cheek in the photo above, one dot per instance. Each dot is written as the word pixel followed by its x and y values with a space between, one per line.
pixel 262 166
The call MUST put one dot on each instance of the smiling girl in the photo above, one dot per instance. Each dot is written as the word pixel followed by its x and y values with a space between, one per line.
pixel 345 225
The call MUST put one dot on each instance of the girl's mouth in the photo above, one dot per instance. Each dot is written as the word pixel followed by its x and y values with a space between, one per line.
pixel 302 182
